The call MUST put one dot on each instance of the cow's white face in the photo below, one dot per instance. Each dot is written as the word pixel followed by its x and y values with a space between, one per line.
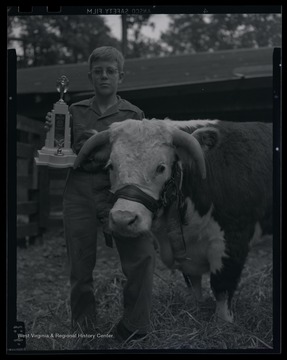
pixel 141 155
pixel 141 160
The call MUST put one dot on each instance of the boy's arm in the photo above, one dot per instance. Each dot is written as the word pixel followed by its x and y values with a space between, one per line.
pixel 139 115
pixel 98 159
pixel 81 139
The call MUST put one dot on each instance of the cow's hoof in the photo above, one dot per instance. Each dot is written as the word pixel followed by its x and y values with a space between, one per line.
pixel 226 316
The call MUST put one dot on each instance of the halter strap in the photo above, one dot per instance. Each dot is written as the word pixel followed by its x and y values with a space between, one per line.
pixel 133 193
pixel 171 192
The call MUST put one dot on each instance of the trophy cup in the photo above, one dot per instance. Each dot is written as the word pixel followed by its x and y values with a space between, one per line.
pixel 57 151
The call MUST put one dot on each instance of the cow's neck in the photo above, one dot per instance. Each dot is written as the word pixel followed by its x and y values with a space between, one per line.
pixel 196 189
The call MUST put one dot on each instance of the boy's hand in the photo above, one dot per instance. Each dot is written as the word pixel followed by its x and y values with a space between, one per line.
pixel 48 122
pixel 98 158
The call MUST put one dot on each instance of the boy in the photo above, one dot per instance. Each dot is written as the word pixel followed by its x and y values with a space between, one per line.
pixel 86 197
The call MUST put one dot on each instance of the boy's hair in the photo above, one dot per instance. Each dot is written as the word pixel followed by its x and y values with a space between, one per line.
pixel 107 53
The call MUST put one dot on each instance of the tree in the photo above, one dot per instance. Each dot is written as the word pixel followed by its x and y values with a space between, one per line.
pixel 48 40
pixel 189 33
pixel 134 43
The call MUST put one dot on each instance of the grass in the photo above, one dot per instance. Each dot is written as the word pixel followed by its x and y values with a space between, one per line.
pixel 178 322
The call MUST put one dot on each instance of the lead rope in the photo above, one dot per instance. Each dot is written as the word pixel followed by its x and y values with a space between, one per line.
pixel 179 206
pixel 178 185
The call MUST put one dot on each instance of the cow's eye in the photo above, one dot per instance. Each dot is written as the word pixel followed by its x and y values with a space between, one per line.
pixel 160 169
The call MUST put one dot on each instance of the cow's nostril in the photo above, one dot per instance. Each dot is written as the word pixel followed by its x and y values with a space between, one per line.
pixel 133 220
pixel 122 218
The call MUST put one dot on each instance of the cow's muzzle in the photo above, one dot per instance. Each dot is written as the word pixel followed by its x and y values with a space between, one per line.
pixel 126 217
pixel 123 220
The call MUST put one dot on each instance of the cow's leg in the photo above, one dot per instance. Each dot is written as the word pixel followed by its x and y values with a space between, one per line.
pixel 223 306
pixel 226 265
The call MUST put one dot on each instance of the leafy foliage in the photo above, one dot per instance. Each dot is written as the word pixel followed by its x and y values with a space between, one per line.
pixel 49 40
pixel 139 45
pixel 190 33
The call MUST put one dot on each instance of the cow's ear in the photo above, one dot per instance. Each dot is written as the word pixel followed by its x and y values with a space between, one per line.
pixel 208 137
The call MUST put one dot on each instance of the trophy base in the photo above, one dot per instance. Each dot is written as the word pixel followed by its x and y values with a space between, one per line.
pixel 49 157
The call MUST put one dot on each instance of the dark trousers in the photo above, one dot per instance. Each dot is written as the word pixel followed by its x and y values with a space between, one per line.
pixel 83 203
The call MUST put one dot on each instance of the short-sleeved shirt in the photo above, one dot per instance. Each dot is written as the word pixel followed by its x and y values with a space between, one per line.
pixel 86 115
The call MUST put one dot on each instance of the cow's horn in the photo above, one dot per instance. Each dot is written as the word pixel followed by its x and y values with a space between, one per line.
pixel 189 142
pixel 94 141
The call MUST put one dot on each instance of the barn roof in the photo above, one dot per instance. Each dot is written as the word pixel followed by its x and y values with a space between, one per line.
pixel 156 72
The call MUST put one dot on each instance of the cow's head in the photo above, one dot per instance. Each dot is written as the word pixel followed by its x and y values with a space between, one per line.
pixel 141 161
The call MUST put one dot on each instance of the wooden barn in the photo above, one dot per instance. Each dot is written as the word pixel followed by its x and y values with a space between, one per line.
pixel 232 85
pixel 229 85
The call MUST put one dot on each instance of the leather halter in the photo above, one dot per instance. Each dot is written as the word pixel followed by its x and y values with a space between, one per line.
pixel 133 193
pixel 170 192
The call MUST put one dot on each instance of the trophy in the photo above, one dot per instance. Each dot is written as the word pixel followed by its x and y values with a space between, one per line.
pixel 57 151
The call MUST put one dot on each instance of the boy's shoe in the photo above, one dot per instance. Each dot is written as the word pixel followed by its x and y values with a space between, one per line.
pixel 122 334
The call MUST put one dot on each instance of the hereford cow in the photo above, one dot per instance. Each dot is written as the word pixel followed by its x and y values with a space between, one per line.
pixel 203 188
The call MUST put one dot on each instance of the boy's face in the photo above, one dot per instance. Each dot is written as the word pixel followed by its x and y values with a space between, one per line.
pixel 105 77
